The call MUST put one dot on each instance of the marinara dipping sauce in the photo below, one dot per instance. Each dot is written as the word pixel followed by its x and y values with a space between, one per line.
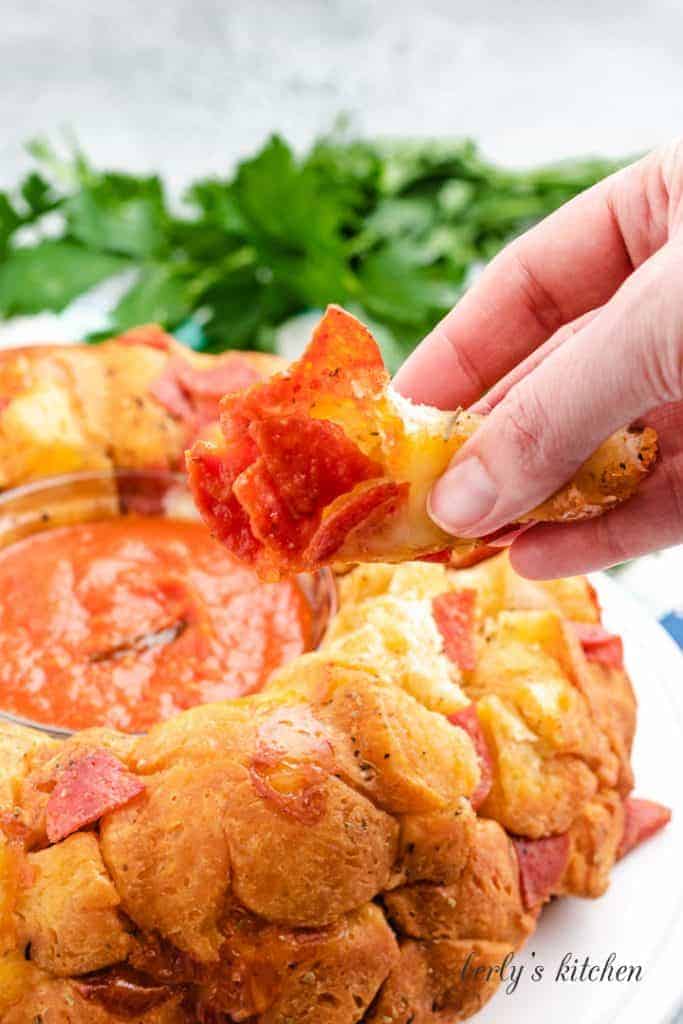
pixel 126 621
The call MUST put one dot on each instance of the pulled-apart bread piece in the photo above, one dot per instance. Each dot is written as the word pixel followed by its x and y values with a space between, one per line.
pixel 226 866
pixel 135 401
pixel 529 672
pixel 333 849
pixel 325 463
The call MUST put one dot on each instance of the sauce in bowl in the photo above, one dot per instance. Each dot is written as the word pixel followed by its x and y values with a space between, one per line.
pixel 126 621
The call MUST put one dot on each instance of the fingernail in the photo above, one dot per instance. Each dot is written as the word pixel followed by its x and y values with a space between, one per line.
pixel 463 496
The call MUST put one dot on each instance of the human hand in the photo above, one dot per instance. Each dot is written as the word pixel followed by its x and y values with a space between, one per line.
pixel 573 331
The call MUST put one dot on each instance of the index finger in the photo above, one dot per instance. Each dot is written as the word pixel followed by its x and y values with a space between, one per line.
pixel 570 263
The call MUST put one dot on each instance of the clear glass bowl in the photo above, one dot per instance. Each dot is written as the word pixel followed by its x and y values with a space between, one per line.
pixel 86 497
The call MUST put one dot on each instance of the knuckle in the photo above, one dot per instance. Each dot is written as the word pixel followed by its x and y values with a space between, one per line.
pixel 641 202
pixel 670 158
pixel 669 162
pixel 673 474
pixel 535 295
pixel 463 363
pixel 638 203
pixel 650 350
pixel 662 369
pixel 528 432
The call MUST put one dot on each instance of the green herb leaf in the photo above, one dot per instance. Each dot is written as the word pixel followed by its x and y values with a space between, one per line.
pixel 49 275
pixel 9 221
pixel 392 229
pixel 161 294
pixel 396 288
pixel 119 214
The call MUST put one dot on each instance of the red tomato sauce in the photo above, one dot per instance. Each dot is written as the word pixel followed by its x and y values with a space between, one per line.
pixel 125 622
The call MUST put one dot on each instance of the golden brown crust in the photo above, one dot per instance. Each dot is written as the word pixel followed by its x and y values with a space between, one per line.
pixel 431 983
pixel 483 902
pixel 609 477
pixel 313 873
pixel 16 743
pixel 343 976
pixel 68 408
pixel 435 847
pixel 558 727
pixel 594 837
pixel 312 852
pixel 160 835
pixel 69 913
pixel 212 830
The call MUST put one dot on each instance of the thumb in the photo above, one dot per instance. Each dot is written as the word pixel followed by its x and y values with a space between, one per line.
pixel 626 361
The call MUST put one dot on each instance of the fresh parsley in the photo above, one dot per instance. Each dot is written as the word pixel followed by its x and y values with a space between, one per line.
pixel 393 230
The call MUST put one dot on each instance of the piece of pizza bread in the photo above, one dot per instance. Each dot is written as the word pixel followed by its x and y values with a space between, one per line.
pixel 231 862
pixel 132 402
pixel 528 670
pixel 325 463
pixel 332 849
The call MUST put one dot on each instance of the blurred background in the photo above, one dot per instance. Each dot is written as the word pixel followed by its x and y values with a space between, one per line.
pixel 188 88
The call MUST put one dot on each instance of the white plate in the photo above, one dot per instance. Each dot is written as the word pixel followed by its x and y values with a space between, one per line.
pixel 640 919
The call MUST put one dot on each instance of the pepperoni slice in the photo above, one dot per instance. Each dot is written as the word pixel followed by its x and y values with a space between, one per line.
pixel 307 486
pixel 542 863
pixel 124 991
pixel 468 719
pixel 228 373
pixel 599 645
pixel 87 787
pixel 211 474
pixel 643 819
pixel 168 392
pixel 342 360
pixel 292 760
pixel 454 615
pixel 312 461
pixel 193 393
pixel 367 503
pixel 269 518
pixel 340 340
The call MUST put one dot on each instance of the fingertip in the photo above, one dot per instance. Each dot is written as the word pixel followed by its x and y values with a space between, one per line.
pixel 406 380
pixel 531 554
pixel 423 383
pixel 436 374
pixel 552 551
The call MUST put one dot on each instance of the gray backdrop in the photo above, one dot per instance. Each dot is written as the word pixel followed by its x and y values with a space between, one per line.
pixel 188 85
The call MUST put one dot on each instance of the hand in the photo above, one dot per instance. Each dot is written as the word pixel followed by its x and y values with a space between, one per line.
pixel 573 331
